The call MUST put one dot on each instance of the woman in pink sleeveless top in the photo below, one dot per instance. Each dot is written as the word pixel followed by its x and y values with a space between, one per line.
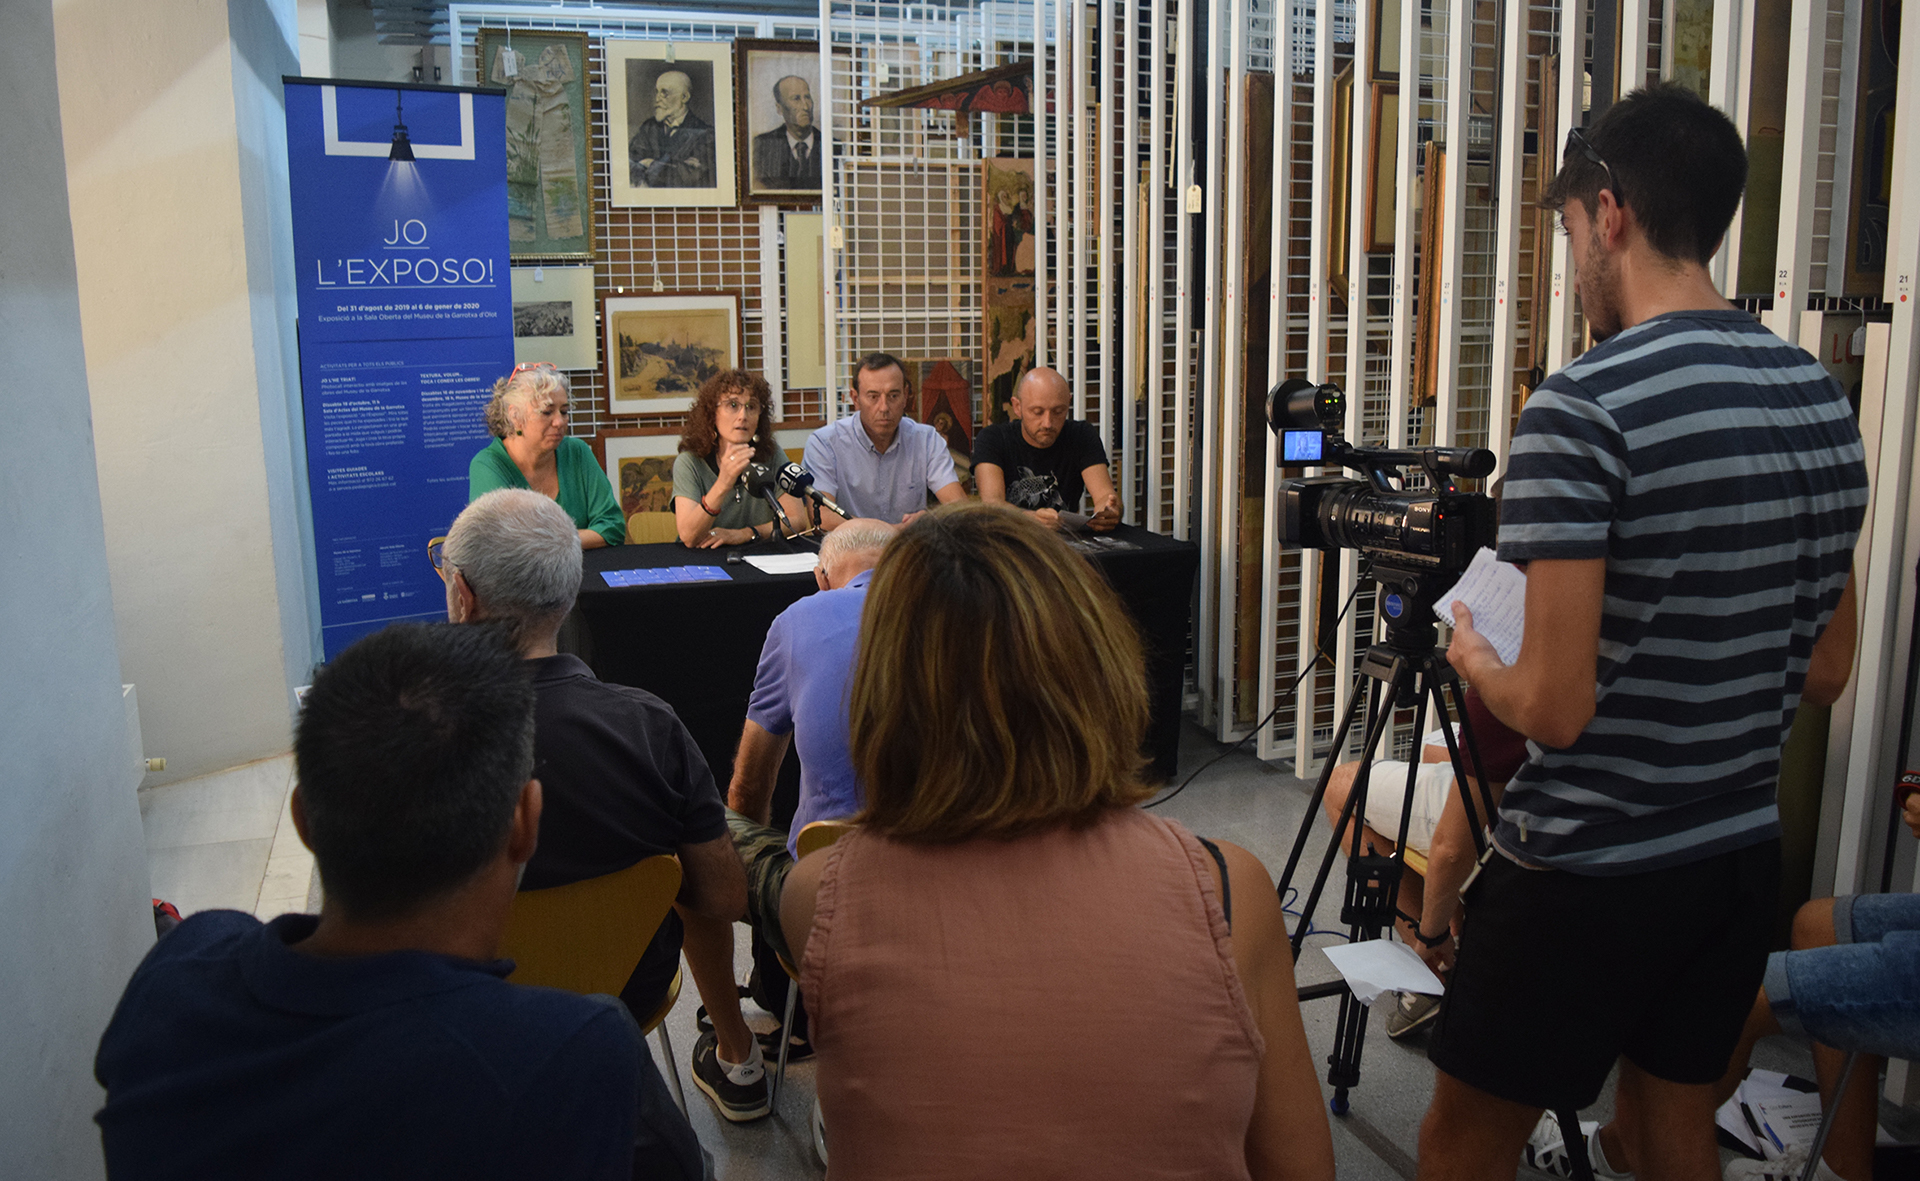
pixel 1012 970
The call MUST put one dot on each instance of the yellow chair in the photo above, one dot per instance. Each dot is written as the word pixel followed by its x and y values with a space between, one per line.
pixel 651 528
pixel 587 937
pixel 821 833
pixel 814 837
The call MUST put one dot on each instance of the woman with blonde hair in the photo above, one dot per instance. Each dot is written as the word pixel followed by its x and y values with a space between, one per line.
pixel 531 449
pixel 727 429
pixel 1012 969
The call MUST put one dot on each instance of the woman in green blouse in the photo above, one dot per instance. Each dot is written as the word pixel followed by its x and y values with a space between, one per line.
pixel 531 449
pixel 727 429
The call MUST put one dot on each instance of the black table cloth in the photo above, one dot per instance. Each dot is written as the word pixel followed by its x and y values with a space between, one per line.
pixel 696 644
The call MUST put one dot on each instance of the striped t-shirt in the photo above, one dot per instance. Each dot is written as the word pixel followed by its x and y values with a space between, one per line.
pixel 1719 472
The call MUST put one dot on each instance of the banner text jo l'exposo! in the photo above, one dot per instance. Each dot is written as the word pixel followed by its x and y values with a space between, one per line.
pixel 406 321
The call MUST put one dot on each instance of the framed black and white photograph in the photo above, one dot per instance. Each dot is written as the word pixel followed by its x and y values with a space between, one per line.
pixel 553 312
pixel 780 134
pixel 549 163
pixel 670 123
pixel 660 349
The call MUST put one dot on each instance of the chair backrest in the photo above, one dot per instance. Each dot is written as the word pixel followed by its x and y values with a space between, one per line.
pixel 587 937
pixel 820 834
pixel 649 528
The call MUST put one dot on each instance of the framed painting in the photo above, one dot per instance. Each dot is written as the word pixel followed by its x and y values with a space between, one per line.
pixel 1008 193
pixel 779 142
pixel 553 311
pixel 670 123
pixel 805 302
pixel 660 348
pixel 1012 343
pixel 1384 63
pixel 1340 208
pixel 946 404
pixel 549 163
pixel 639 463
pixel 1383 147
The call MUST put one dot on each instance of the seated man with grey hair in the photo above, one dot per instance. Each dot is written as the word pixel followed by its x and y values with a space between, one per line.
pixel 623 778
pixel 800 697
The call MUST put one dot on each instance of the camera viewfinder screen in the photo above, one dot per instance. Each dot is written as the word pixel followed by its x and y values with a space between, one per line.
pixel 1302 447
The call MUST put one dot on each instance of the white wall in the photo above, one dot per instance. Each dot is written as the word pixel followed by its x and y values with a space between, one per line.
pixel 74 915
pixel 176 169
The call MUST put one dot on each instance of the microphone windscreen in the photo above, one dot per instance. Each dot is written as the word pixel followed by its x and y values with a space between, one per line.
pixel 759 478
pixel 793 478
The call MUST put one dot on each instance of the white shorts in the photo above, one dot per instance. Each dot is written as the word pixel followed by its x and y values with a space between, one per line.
pixel 1387 788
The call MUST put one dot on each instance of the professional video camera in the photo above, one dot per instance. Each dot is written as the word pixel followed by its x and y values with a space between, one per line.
pixel 1419 542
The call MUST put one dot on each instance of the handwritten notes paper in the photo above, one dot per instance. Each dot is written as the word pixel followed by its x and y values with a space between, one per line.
pixel 1496 593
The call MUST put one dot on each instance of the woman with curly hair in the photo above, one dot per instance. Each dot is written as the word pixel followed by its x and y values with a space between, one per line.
pixel 531 449
pixel 727 429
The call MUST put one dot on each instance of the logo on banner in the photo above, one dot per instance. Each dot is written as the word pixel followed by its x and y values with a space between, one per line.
pixel 335 146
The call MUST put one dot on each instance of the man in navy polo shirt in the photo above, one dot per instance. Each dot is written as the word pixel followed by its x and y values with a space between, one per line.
pixel 381 1038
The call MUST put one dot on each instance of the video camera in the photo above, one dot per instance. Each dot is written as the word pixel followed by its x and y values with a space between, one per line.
pixel 1420 542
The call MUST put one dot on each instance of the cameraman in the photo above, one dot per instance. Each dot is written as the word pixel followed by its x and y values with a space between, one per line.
pixel 1685 495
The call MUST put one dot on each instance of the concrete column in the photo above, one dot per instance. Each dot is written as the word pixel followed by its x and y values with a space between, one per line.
pixel 74 912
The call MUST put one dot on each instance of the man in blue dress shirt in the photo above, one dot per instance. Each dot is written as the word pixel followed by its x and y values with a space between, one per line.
pixel 879 464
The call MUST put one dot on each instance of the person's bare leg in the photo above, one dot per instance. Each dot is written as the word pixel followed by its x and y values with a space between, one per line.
pixel 708 944
pixel 1668 1126
pixel 1618 1137
pixel 1849 1150
pixel 1469 1135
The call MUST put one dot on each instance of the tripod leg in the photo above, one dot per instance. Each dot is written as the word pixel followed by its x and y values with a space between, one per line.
pixel 1378 713
pixel 1319 794
pixel 1574 1143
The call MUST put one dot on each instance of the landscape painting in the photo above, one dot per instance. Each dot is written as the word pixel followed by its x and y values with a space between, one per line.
pixel 661 348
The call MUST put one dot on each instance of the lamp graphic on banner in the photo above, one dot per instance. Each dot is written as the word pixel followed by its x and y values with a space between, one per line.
pixel 402 149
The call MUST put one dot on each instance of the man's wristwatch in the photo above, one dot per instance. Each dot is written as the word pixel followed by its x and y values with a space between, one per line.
pixel 1445 934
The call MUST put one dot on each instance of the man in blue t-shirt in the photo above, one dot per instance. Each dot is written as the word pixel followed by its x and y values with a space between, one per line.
pixel 800 697
pixel 381 1039
pixel 1685 496
pixel 1044 462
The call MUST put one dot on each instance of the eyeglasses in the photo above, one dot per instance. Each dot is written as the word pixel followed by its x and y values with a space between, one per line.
pixel 1578 142
pixel 735 406
pixel 436 556
pixel 529 367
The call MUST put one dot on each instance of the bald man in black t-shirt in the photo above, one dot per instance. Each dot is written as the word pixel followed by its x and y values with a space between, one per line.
pixel 1043 461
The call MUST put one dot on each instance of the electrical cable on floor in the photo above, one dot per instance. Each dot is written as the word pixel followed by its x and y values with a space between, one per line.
pixel 1319 655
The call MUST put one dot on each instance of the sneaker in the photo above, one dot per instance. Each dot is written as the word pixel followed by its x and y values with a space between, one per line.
pixel 740 1092
pixel 1786 1168
pixel 1415 1012
pixel 799 1048
pixel 1546 1149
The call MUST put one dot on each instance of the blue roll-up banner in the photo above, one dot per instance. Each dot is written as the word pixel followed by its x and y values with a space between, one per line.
pixel 406 321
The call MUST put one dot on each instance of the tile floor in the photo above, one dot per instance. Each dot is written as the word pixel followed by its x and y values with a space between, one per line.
pixel 226 841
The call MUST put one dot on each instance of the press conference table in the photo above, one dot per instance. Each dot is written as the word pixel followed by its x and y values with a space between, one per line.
pixel 696 644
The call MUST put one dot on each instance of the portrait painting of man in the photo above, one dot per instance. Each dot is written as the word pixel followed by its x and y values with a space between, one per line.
pixel 782 113
pixel 671 105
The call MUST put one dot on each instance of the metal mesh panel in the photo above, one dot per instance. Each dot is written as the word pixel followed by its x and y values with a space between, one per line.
pixel 641 251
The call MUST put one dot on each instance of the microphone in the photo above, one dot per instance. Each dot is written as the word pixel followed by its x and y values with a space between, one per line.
pixel 758 478
pixel 798 481
pixel 760 481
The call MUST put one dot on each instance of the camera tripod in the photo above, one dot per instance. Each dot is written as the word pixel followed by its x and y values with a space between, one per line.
pixel 1405 670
